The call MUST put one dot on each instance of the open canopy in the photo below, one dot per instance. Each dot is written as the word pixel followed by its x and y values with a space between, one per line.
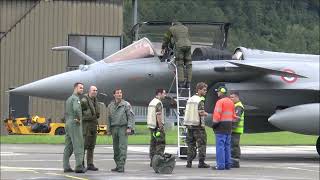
pixel 137 50
pixel 212 34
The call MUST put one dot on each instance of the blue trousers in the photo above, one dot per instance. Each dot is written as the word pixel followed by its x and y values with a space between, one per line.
pixel 223 152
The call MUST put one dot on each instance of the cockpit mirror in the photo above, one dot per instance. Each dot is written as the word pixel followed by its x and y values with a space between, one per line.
pixel 83 67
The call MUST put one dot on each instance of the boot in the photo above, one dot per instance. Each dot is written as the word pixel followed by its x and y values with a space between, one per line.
pixel 91 167
pixel 68 170
pixel 216 168
pixel 181 84
pixel 235 165
pixel 202 164
pixel 80 170
pixel 114 169
pixel 189 164
pixel 90 160
pixel 120 169
pixel 187 85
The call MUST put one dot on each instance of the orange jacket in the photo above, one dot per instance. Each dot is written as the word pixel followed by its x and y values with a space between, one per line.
pixel 224 110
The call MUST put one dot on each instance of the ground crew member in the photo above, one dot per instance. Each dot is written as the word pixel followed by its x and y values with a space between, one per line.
pixel 74 138
pixel 178 35
pixel 194 121
pixel 223 116
pixel 120 124
pixel 155 122
pixel 90 116
pixel 237 130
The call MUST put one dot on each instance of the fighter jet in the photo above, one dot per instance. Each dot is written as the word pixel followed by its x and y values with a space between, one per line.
pixel 280 90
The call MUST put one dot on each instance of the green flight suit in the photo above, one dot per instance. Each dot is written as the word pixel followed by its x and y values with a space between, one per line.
pixel 90 115
pixel 73 137
pixel 120 117
pixel 178 35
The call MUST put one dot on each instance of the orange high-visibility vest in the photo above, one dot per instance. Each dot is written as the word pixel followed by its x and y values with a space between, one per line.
pixel 224 110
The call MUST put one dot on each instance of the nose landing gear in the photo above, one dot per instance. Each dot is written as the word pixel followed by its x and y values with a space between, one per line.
pixel 318 145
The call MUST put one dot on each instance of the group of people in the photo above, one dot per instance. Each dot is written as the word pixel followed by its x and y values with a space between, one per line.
pixel 82 119
pixel 228 121
pixel 81 128
pixel 228 118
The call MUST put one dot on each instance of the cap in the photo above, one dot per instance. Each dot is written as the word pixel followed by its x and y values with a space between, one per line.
pixel 221 89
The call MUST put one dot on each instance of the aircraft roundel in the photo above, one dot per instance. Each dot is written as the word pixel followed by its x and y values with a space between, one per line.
pixel 289 79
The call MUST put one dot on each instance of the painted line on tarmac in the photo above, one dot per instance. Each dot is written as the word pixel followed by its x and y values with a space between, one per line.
pixel 302 164
pixel 71 160
pixel 20 170
pixel 244 149
pixel 281 167
pixel 11 154
pixel 69 176
pixel 213 176
pixel 294 168
pixel 29 168
pixel 33 160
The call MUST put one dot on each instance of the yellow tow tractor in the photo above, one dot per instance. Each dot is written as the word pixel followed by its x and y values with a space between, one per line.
pixel 39 126
pixel 102 129
pixel 34 126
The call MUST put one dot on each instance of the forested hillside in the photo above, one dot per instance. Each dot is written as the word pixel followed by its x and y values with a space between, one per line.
pixel 277 25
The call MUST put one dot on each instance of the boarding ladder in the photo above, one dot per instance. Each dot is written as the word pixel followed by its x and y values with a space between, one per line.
pixel 182 96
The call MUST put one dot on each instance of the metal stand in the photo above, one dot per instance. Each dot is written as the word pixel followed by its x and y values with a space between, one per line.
pixel 182 96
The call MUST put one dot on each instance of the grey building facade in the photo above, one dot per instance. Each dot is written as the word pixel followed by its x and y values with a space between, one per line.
pixel 28 31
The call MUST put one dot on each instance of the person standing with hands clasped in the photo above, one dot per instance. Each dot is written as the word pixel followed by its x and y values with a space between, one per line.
pixel 120 124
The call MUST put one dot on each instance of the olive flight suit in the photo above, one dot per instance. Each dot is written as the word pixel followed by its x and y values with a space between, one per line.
pixel 120 117
pixel 90 113
pixel 178 34
pixel 73 137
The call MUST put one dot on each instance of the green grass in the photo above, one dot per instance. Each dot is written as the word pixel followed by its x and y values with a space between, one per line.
pixel 142 136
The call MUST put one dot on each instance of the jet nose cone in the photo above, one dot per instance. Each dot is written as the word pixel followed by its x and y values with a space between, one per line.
pixel 55 87
pixel 274 119
pixel 302 119
pixel 282 118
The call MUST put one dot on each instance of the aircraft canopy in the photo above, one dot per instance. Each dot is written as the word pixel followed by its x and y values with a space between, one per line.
pixel 139 49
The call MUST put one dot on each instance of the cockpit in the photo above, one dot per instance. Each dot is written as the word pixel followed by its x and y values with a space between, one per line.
pixel 140 49
pixel 209 42
pixel 209 39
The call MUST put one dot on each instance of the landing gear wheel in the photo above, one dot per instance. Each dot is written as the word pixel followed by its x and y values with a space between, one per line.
pixel 318 145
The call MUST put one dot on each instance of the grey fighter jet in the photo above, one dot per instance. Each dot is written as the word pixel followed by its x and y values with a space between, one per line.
pixel 280 90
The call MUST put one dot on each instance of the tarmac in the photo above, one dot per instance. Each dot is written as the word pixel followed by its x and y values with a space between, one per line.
pixel 33 161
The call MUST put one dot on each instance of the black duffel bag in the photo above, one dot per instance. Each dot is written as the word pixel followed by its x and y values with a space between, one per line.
pixel 163 164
